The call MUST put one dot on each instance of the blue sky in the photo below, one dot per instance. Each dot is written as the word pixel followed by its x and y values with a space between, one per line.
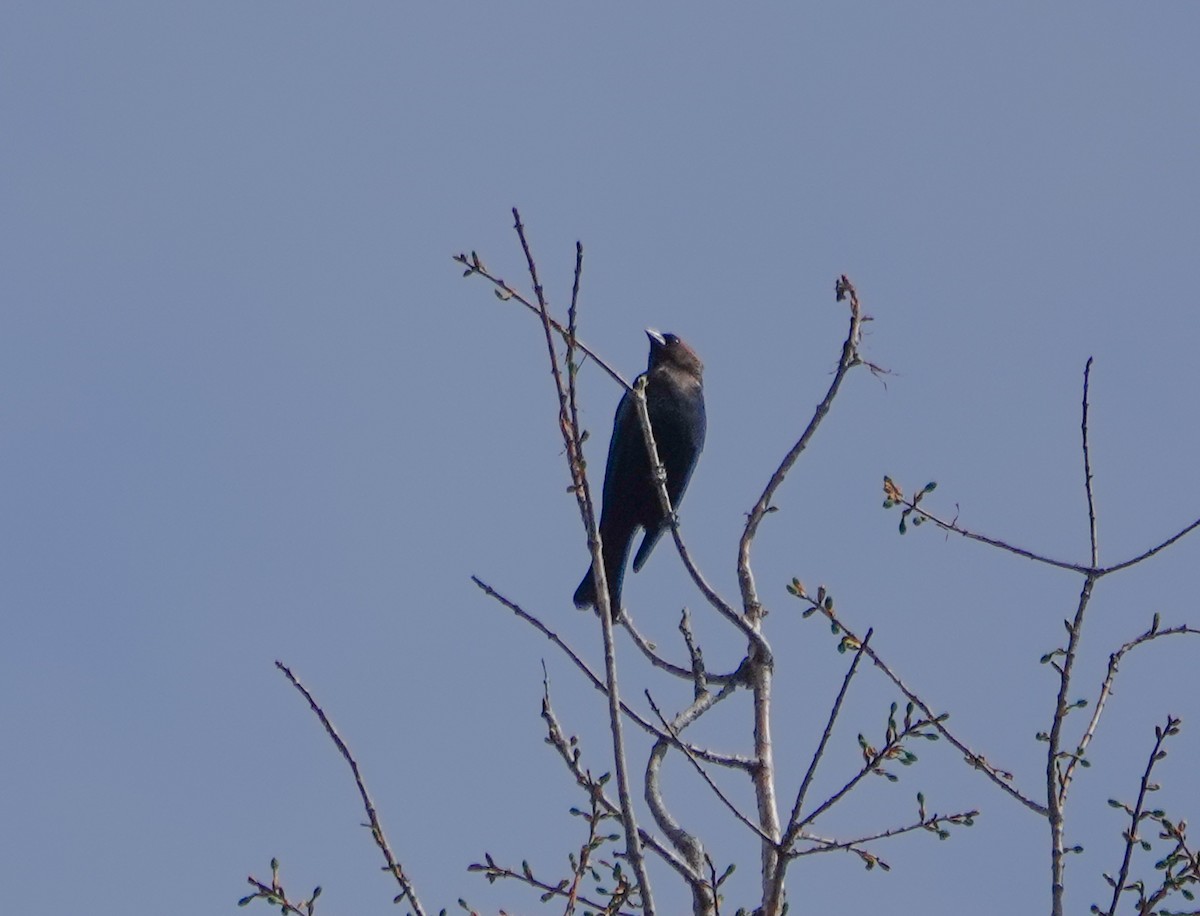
pixel 249 410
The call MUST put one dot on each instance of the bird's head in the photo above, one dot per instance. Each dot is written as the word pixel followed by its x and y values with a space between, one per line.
pixel 670 351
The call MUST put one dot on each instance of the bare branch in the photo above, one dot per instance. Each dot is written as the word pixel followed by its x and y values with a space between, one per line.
pixel 1106 690
pixel 689 846
pixel 704 773
pixel 1056 799
pixel 710 756
pixel 998 777
pixel 954 527
pixel 649 650
pixel 1136 813
pixel 794 819
pixel 700 676
pixel 394 867
pixel 1152 551
pixel 570 754
pixel 932 823
pixel 568 892
pixel 659 475
pixel 1087 468
pixel 475 266
pixel 849 360
pixel 873 760
pixel 274 895
pixel 571 439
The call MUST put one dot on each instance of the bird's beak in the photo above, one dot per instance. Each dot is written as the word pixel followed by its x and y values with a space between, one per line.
pixel 656 337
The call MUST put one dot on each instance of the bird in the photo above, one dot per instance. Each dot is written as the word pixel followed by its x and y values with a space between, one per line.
pixel 675 402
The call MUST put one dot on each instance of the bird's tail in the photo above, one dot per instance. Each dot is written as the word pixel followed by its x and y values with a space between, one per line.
pixel 585 595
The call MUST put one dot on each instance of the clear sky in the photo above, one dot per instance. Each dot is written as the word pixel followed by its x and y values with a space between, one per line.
pixel 250 410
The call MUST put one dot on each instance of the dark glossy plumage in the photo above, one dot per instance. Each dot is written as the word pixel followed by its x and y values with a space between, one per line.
pixel 675 401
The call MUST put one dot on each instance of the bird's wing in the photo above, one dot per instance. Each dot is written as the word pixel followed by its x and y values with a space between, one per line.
pixel 621 454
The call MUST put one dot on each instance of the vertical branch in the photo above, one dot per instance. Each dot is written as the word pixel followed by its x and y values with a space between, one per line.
pixel 763 775
pixel 570 434
pixel 1057 781
pixel 1087 467
pixel 1056 795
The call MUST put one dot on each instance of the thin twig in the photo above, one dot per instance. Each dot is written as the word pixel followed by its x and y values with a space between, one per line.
pixel 549 891
pixel 670 667
pixel 794 818
pixel 954 527
pixel 275 895
pixel 872 760
pixel 406 887
pixel 931 823
pixel 1151 552
pixel 1106 691
pixel 504 291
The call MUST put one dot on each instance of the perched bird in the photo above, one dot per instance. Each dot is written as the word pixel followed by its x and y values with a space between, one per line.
pixel 675 402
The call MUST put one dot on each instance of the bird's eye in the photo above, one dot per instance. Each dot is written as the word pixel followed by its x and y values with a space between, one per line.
pixel 670 338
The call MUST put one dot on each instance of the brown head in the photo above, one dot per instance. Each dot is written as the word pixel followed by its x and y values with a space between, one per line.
pixel 670 353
